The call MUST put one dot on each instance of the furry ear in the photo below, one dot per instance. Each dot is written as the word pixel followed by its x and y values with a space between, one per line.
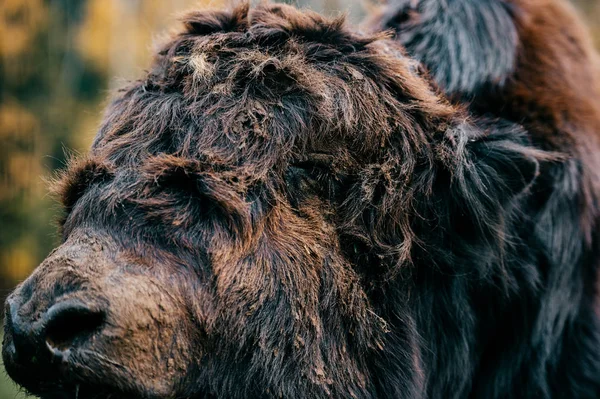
pixel 495 163
pixel 482 207
pixel 72 183
pixel 466 44
pixel 494 168
pixel 466 190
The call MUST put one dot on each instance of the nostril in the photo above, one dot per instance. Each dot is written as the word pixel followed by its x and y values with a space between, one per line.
pixel 70 323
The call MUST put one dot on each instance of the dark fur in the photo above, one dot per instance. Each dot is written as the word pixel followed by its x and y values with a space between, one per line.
pixel 533 65
pixel 287 209
pixel 467 44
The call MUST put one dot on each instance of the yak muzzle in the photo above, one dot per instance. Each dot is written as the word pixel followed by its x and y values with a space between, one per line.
pixel 94 317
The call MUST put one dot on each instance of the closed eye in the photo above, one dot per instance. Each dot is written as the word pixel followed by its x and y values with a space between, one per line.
pixel 317 173
pixel 315 162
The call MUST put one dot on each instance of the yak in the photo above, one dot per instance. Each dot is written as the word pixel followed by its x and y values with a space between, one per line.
pixel 284 207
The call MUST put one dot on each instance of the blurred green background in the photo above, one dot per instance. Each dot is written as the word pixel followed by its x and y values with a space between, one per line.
pixel 59 61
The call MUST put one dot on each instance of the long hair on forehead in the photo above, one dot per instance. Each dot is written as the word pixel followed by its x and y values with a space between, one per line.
pixel 238 95
pixel 251 88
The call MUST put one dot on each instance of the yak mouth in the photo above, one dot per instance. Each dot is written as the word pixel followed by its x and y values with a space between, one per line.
pixel 72 380
pixel 92 391
pixel 60 390
pixel 65 383
pixel 81 391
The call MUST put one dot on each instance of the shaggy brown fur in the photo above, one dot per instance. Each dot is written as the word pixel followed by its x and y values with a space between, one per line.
pixel 284 208
pixel 531 62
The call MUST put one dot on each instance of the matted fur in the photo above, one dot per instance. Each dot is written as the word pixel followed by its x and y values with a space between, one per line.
pixel 312 218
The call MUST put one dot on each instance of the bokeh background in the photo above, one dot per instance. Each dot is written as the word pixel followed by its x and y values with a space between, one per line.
pixel 59 62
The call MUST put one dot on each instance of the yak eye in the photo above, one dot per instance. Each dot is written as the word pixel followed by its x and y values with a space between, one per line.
pixel 315 164
pixel 308 171
pixel 316 174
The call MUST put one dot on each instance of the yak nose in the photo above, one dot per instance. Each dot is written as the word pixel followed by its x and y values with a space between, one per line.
pixel 71 323
pixel 64 326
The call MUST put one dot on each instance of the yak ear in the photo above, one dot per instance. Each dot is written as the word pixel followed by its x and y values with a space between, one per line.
pixel 494 168
pixel 465 44
pixel 500 158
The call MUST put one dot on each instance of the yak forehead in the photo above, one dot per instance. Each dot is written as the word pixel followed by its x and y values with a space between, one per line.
pixel 252 90
pixel 235 98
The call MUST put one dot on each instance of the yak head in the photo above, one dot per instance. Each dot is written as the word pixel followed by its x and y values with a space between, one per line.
pixel 260 215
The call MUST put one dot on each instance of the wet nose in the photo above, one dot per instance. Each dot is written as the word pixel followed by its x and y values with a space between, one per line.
pixel 65 325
